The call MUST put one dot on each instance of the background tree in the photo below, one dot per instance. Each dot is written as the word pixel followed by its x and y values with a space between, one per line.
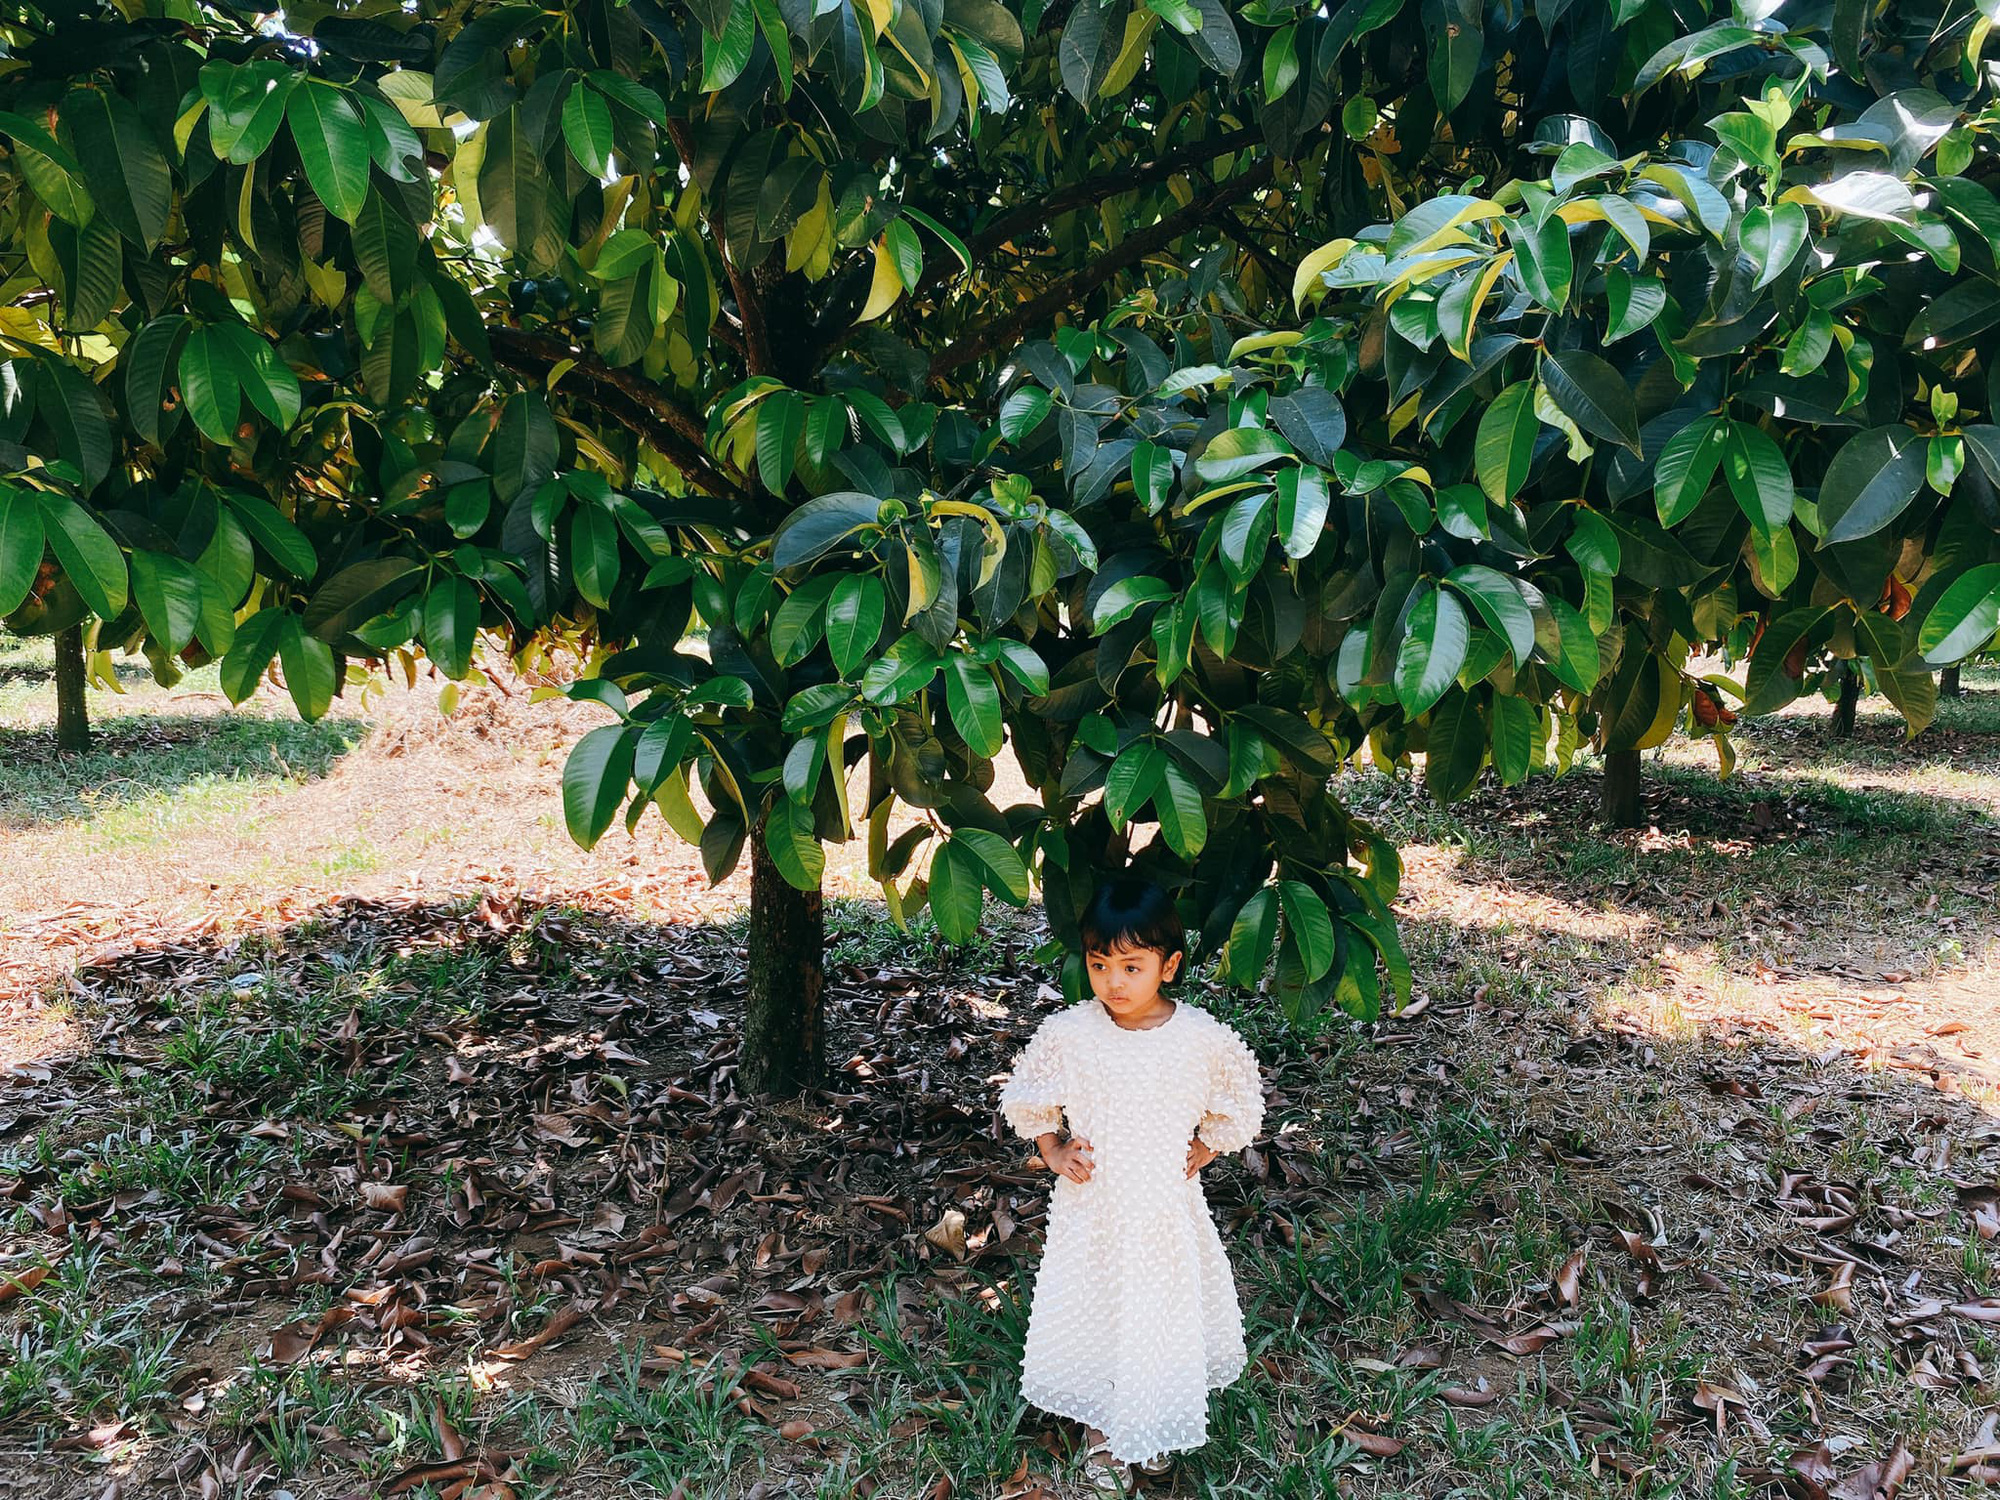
pixel 1071 375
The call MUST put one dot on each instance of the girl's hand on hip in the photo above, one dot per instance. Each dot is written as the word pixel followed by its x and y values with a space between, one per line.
pixel 1199 1155
pixel 1070 1159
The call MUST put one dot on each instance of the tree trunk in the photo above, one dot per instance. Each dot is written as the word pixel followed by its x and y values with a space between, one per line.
pixel 1948 684
pixel 72 708
pixel 784 1033
pixel 1849 701
pixel 1623 807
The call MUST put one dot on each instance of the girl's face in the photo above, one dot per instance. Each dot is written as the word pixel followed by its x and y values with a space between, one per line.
pixel 1127 980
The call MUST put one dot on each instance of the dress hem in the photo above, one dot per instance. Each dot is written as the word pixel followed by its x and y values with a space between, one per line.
pixel 1091 1419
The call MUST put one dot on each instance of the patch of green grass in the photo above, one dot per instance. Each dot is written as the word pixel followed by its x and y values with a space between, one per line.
pixel 679 1427
pixel 151 776
pixel 75 1348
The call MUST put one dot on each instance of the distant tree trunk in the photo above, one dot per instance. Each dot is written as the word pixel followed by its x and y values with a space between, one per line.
pixel 784 1031
pixel 1623 807
pixel 1849 701
pixel 1948 684
pixel 72 708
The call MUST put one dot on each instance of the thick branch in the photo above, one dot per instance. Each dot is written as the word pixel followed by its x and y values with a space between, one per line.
pixel 1019 221
pixel 1082 282
pixel 756 338
pixel 626 397
pixel 1274 267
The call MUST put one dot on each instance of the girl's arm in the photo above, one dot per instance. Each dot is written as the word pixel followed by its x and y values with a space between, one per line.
pixel 1032 1100
pixel 1235 1110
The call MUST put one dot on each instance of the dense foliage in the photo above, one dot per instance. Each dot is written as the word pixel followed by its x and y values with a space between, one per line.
pixel 1193 395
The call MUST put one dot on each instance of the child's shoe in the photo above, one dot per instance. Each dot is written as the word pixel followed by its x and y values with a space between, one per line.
pixel 1102 1473
pixel 1153 1468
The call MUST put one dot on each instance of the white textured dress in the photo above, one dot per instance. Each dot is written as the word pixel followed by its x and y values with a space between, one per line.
pixel 1134 1318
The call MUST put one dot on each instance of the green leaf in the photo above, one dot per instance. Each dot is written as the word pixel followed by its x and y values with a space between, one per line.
pixel 905 254
pixel 212 372
pixel 854 614
pixel 1773 238
pixel 1132 780
pixel 1542 251
pixel 1310 926
pixel 1434 643
pixel 1501 604
pixel 1687 466
pixel 1152 476
pixel 451 624
pixel 1281 63
pixel 251 651
pixel 1515 723
pixel 1870 482
pixel 168 592
pixel 129 177
pixel 956 892
pixel 1593 395
pixel 1246 536
pixel 973 699
pixel 1592 542
pixel 20 545
pixel 595 779
pixel 1178 805
pixel 586 128
pixel 819 526
pixel 385 247
pixel 1022 412
pixel 593 546
pixel 1635 302
pixel 794 844
pixel 332 141
pixel 1455 747
pixel 781 422
pixel 1238 450
pixel 1574 657
pixel 1127 596
pixel 282 541
pixel 75 410
pixel 90 558
pixel 1767 685
pixel 1251 937
pixel 1302 509
pixel 246 105
pixel 1004 872
pixel 308 667
pixel 1759 477
pixel 50 169
pixel 1505 444
pixel 1961 622
pixel 357 593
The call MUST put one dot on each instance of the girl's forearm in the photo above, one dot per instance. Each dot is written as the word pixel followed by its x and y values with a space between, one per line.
pixel 1047 1141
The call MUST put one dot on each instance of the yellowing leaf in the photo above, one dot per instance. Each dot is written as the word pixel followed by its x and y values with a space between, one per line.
pixel 887 286
pixel 1321 259
pixel 1258 341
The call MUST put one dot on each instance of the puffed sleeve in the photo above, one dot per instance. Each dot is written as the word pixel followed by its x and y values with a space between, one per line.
pixel 1033 1100
pixel 1235 1111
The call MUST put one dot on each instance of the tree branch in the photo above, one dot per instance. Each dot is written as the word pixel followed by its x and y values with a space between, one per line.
pixel 627 398
pixel 1081 283
pixel 1034 215
pixel 756 339
pixel 1274 266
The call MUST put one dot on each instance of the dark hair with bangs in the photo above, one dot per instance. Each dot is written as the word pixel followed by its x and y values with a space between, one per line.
pixel 1132 912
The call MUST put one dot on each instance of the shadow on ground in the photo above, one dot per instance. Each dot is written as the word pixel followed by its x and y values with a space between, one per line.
pixel 147 755
pixel 415 1193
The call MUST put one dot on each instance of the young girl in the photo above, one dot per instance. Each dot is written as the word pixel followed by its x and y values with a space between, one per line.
pixel 1134 1318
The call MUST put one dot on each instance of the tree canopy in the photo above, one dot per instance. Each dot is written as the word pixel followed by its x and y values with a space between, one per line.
pixel 1192 395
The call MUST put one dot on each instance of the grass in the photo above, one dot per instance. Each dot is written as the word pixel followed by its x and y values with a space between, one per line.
pixel 1591 997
